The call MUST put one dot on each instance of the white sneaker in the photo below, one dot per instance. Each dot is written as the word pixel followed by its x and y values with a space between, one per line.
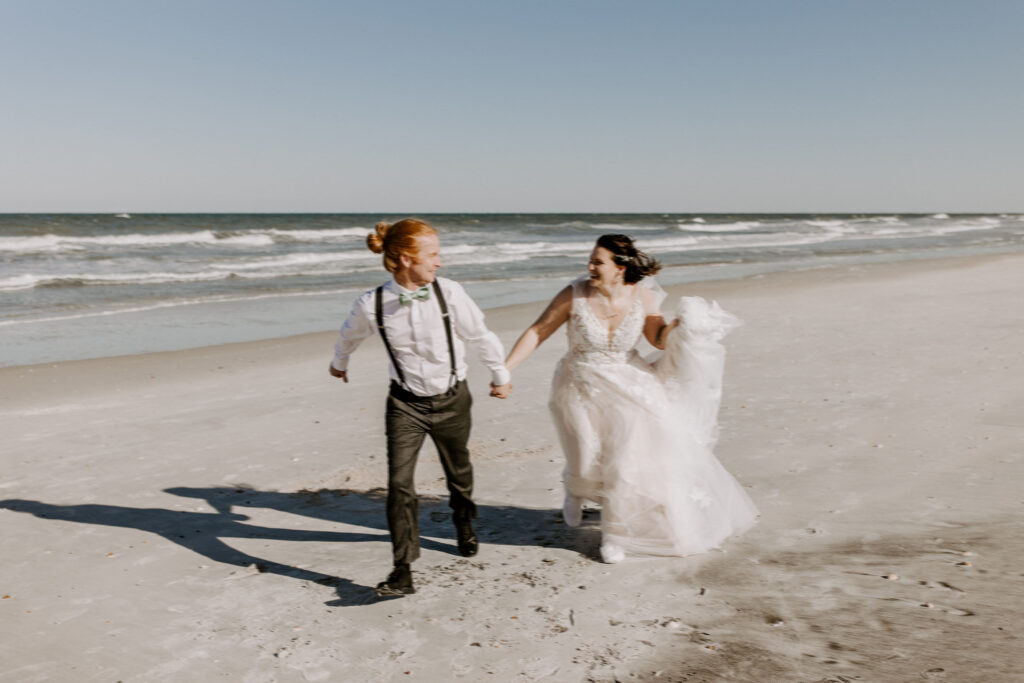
pixel 611 554
pixel 572 510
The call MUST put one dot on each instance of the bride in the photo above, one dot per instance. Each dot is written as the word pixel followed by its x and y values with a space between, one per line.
pixel 637 436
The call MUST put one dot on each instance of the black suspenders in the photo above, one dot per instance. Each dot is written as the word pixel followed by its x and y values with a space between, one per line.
pixel 453 377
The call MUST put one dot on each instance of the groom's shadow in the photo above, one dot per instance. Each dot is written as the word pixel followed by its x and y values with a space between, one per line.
pixel 496 524
pixel 202 532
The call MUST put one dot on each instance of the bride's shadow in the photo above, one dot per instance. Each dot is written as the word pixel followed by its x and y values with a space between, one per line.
pixel 203 532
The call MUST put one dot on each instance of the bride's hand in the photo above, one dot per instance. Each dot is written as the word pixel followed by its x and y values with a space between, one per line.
pixel 659 339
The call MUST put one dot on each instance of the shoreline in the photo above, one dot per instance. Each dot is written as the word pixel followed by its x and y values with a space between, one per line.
pixel 723 284
pixel 176 326
pixel 216 512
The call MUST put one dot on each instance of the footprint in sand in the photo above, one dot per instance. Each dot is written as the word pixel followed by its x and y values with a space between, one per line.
pixel 941 584
pixel 952 611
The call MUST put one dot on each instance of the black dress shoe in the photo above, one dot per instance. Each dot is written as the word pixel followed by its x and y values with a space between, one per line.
pixel 466 535
pixel 399 582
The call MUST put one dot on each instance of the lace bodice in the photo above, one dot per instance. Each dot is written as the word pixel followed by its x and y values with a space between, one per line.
pixel 590 341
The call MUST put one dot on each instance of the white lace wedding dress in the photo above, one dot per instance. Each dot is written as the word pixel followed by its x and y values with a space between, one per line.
pixel 637 436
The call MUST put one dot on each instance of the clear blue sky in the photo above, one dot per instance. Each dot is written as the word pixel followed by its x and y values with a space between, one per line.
pixel 525 105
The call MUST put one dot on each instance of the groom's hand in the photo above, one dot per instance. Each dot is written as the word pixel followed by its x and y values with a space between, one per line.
pixel 501 390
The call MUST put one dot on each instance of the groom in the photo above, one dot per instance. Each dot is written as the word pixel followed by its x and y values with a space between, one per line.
pixel 423 321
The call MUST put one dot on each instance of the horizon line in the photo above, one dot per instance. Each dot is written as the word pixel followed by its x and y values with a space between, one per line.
pixel 930 212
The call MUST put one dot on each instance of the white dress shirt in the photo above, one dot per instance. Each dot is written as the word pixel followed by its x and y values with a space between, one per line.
pixel 416 333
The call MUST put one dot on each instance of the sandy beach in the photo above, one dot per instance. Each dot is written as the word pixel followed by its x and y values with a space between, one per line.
pixel 217 513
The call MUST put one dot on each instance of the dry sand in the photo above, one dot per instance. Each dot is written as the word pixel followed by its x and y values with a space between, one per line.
pixel 216 514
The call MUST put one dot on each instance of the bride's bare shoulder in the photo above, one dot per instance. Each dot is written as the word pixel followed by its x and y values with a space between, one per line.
pixel 563 298
pixel 561 303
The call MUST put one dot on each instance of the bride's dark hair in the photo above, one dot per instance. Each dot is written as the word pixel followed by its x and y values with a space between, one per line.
pixel 638 264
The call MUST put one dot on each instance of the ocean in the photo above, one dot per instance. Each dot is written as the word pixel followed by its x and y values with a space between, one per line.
pixel 76 286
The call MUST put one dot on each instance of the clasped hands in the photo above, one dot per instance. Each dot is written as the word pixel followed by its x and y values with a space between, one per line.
pixel 501 390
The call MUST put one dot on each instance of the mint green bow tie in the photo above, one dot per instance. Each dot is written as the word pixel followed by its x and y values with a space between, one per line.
pixel 423 293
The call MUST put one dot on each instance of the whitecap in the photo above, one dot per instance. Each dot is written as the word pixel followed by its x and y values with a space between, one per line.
pixel 980 224
pixel 18 282
pixel 626 228
pixel 736 241
pixel 724 227
pixel 458 249
pixel 299 259
pixel 252 240
pixel 480 259
pixel 138 239
pixel 23 244
pixel 171 304
pixel 666 243
pixel 545 248
pixel 319 235
pixel 521 247
pixel 51 242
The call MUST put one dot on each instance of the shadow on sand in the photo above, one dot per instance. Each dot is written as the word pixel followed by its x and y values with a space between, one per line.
pixel 204 532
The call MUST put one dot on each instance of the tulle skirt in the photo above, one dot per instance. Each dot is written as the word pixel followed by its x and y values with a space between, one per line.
pixel 638 436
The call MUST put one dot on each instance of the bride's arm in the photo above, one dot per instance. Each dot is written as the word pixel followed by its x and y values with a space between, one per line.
pixel 655 327
pixel 550 320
